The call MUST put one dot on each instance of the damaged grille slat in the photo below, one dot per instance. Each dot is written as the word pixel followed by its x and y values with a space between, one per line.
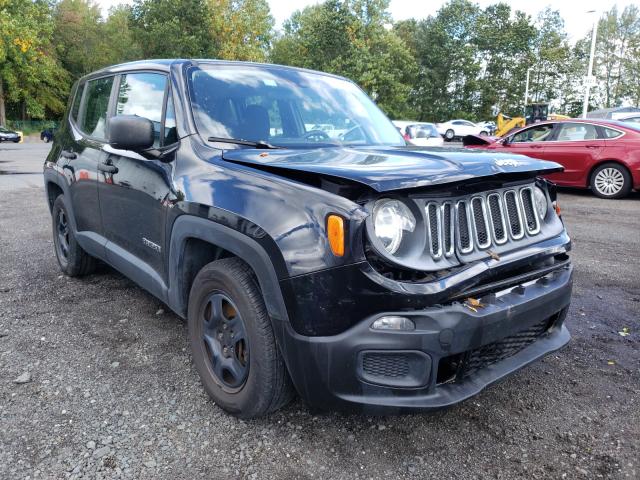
pixel 480 222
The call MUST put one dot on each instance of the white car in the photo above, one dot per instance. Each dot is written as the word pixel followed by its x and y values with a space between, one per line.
pixel 421 134
pixel 459 128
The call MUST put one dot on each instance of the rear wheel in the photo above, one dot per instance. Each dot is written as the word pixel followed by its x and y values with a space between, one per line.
pixel 611 180
pixel 72 259
pixel 449 134
pixel 232 341
pixel 483 133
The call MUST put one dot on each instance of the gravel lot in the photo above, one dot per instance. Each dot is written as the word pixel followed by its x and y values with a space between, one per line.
pixel 111 390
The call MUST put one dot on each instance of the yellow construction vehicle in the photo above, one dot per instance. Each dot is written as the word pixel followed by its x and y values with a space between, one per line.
pixel 533 113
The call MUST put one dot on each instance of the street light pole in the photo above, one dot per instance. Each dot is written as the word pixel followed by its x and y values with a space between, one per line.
pixel 587 82
pixel 526 88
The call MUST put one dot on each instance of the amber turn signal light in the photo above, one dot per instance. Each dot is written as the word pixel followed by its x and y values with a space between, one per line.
pixel 335 232
pixel 556 207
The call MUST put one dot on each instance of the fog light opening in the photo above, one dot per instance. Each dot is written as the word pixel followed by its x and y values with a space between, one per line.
pixel 393 322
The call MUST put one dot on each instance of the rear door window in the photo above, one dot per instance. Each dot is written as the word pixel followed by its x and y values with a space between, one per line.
pixel 96 106
pixel 142 94
pixel 575 132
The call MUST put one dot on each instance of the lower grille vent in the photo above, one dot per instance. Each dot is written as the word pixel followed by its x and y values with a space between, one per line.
pixel 385 365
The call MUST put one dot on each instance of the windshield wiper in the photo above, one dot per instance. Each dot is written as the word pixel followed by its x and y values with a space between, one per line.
pixel 237 141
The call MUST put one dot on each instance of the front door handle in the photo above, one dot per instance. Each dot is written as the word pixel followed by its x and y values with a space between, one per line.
pixel 69 154
pixel 593 146
pixel 105 167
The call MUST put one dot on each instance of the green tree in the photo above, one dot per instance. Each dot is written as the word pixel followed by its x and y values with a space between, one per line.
pixel 351 38
pixel 242 29
pixel 119 45
pixel 29 72
pixel 618 56
pixel 504 41
pixel 77 36
pixel 172 28
pixel 448 59
pixel 230 29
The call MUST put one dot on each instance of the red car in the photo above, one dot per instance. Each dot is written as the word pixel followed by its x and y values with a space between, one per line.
pixel 603 155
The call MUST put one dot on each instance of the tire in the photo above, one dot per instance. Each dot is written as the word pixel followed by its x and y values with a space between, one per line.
pixel 611 180
pixel 232 341
pixel 449 134
pixel 72 259
pixel 484 133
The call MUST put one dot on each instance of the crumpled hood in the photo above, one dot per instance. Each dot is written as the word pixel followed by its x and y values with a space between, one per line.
pixel 393 168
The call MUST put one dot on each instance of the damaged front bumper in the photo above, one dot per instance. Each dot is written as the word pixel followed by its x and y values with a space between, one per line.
pixel 453 353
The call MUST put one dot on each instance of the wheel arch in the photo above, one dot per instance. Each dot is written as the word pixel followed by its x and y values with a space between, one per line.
pixel 196 241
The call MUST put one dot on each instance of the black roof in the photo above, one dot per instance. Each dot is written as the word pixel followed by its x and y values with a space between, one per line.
pixel 164 64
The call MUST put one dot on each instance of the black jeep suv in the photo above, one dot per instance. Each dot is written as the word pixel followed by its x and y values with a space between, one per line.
pixel 337 262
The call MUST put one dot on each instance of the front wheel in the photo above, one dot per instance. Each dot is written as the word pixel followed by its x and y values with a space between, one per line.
pixel 449 134
pixel 611 180
pixel 72 259
pixel 232 341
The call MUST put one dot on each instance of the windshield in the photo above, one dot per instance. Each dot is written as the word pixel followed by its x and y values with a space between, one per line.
pixel 285 107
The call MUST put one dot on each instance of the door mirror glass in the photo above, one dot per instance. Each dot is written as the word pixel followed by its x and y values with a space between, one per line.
pixel 130 132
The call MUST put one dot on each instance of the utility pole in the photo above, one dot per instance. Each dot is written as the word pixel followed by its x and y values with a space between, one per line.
pixel 589 79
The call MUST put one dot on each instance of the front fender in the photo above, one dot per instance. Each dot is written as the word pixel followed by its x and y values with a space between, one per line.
pixel 243 246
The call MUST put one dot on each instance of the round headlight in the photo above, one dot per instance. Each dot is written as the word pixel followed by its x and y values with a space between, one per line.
pixel 391 218
pixel 540 202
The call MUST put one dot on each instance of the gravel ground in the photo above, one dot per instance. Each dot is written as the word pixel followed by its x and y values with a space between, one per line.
pixel 110 391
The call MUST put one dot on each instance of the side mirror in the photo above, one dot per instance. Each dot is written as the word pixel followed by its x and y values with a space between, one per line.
pixel 130 132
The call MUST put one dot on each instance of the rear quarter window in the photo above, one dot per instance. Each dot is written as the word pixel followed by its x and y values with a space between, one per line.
pixel 611 133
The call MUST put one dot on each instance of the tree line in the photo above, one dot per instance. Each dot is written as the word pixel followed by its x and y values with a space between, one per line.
pixel 464 61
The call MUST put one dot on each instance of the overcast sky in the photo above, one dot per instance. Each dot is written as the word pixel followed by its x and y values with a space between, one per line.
pixel 577 21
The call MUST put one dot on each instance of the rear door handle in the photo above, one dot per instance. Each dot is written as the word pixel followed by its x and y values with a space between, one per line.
pixel 104 167
pixel 68 154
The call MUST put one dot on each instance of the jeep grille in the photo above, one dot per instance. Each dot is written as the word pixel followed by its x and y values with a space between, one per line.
pixel 480 222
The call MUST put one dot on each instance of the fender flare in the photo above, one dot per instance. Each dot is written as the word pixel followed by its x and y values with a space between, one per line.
pixel 53 176
pixel 243 246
